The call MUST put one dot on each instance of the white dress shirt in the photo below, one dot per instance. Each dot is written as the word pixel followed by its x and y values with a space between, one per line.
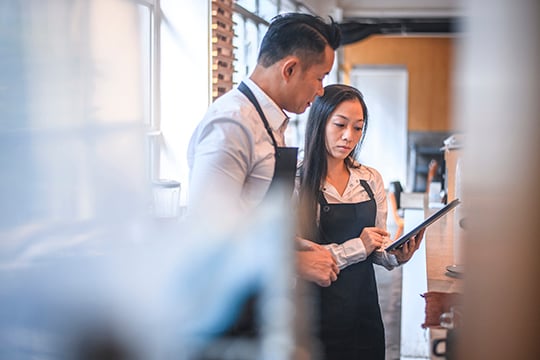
pixel 353 250
pixel 231 155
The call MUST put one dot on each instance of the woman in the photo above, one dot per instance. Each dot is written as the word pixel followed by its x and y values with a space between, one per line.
pixel 343 206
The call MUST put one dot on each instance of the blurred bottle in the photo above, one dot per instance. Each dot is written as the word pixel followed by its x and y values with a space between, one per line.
pixel 166 198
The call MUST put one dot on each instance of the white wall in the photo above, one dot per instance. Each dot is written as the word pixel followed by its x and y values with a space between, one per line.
pixel 385 145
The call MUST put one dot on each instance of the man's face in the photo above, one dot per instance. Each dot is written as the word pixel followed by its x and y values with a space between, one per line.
pixel 306 84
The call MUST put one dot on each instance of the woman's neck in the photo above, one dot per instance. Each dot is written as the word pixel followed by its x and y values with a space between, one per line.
pixel 337 174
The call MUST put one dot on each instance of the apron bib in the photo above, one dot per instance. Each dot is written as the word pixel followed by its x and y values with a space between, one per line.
pixel 350 318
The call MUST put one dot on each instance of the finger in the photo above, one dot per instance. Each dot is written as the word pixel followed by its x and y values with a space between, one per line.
pixel 324 283
pixel 335 268
pixel 333 276
pixel 416 242
pixel 382 232
pixel 416 245
pixel 406 248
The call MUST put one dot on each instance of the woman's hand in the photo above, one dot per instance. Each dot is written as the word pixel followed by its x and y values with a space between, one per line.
pixel 405 253
pixel 373 238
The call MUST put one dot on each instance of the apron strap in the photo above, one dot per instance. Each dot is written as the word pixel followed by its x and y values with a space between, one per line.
pixel 249 94
pixel 367 188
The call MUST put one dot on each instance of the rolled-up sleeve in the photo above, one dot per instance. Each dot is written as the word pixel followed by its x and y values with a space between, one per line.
pixel 348 253
pixel 383 258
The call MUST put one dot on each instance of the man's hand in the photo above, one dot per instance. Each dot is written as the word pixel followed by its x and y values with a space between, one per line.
pixel 315 263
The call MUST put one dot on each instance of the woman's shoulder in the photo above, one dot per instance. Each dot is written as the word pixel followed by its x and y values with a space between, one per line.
pixel 365 172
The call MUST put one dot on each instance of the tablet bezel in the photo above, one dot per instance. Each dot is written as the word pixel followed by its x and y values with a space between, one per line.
pixel 424 224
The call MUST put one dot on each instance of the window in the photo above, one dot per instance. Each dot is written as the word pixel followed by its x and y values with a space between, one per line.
pixel 150 20
pixel 251 19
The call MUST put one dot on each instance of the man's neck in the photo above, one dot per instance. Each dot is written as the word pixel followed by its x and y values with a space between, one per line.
pixel 267 81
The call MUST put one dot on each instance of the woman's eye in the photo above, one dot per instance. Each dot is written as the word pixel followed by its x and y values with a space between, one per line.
pixel 358 128
pixel 339 125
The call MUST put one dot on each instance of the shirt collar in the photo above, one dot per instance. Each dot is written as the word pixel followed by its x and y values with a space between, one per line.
pixel 274 114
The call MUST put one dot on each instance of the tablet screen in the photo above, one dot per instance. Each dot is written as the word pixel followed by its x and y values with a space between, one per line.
pixel 428 221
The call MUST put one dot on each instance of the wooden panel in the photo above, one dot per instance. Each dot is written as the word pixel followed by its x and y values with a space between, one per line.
pixel 429 61
pixel 222 47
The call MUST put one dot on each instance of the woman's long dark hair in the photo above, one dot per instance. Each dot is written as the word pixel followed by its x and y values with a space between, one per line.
pixel 314 168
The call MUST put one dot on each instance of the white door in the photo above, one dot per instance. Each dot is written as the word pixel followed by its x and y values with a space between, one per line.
pixel 385 145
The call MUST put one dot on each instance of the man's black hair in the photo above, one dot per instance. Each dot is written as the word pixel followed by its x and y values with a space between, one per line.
pixel 303 35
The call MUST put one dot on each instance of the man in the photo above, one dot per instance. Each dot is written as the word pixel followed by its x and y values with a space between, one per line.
pixel 238 148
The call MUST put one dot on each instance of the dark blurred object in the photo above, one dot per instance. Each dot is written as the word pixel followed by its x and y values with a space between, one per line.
pixel 102 343
pixel 450 346
pixel 394 196
pixel 463 223
pixel 360 28
pixel 396 189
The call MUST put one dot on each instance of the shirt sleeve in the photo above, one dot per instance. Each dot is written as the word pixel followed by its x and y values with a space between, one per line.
pixel 220 157
pixel 383 258
pixel 348 253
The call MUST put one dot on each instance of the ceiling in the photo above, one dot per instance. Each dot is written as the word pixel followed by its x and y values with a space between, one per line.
pixel 353 9
pixel 362 18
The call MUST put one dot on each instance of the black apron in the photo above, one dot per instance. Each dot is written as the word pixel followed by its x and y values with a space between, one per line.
pixel 350 320
pixel 283 178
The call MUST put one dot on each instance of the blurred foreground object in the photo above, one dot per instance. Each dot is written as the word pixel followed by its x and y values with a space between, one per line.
pixel 170 294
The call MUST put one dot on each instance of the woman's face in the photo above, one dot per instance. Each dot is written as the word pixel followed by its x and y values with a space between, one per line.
pixel 344 129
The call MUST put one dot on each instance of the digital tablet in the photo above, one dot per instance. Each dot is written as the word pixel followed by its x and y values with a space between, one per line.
pixel 424 224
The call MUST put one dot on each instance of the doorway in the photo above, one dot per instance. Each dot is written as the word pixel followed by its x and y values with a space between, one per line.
pixel 385 91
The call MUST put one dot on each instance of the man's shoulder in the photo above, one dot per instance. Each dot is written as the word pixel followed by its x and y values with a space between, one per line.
pixel 231 111
pixel 230 119
pixel 232 105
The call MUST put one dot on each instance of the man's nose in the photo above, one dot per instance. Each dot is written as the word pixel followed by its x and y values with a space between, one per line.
pixel 320 91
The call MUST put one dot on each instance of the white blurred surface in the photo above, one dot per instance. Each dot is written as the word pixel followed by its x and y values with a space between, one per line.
pixel 84 266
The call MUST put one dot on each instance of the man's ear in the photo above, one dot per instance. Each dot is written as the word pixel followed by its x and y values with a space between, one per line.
pixel 290 66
